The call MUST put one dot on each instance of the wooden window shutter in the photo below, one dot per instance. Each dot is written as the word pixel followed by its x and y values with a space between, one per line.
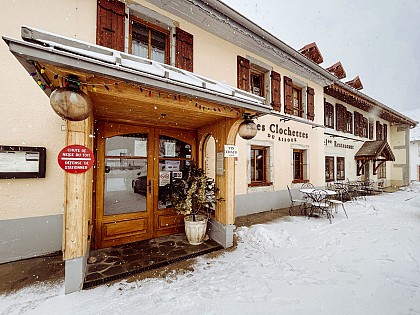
pixel 311 103
pixel 275 90
pixel 184 50
pixel 341 117
pixel 370 128
pixel 243 73
pixel 385 131
pixel 110 24
pixel 378 130
pixel 288 91
pixel 356 124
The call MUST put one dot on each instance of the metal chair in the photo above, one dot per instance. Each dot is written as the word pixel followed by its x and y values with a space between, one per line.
pixel 295 202
pixel 320 203
pixel 336 203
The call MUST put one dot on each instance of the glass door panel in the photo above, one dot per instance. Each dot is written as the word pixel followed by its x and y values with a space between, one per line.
pixel 126 169
pixel 174 157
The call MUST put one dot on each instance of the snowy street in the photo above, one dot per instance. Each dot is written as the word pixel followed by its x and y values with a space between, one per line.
pixel 367 264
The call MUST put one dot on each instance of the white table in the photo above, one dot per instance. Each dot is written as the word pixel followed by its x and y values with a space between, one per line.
pixel 309 191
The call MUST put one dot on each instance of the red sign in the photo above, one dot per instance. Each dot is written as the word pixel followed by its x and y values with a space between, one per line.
pixel 75 159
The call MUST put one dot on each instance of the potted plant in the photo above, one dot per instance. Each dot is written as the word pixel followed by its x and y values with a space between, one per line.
pixel 194 196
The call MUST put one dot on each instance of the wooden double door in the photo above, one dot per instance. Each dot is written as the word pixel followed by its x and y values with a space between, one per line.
pixel 135 167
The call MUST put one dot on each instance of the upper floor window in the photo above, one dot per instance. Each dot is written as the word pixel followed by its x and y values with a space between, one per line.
pixel 298 99
pixel 149 33
pixel 379 134
pixel 328 115
pixel 364 127
pixel 257 83
pixel 349 122
pixel 149 42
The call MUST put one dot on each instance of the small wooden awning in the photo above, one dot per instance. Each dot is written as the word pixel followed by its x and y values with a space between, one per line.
pixel 375 150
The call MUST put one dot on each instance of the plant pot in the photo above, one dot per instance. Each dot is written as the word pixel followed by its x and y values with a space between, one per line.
pixel 195 230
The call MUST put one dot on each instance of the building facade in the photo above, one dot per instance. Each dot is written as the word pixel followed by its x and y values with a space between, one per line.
pixel 168 84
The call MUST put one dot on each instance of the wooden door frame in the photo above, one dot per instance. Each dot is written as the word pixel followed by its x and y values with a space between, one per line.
pixel 157 218
pixel 107 130
pixel 168 217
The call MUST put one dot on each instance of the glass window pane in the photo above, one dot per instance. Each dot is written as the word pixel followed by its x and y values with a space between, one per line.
pixel 171 147
pixel 127 145
pixel 125 186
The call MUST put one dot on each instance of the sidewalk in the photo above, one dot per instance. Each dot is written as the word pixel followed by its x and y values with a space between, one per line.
pixel 50 269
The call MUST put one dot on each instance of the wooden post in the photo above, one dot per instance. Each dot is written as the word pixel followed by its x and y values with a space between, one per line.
pixel 78 195
pixel 224 132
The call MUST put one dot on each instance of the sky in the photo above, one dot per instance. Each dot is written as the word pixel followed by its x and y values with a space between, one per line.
pixel 377 40
pixel 366 264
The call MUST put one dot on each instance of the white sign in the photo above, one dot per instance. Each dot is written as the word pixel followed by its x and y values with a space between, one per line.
pixel 231 150
pixel 164 178
pixel 172 165
pixel 140 147
pixel 177 175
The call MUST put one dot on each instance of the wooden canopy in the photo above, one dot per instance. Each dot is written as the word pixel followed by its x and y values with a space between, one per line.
pixel 375 150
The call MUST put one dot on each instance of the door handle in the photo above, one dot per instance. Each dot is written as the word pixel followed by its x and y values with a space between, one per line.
pixel 149 185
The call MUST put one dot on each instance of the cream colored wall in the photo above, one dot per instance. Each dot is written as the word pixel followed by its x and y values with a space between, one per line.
pixel 281 161
pixel 351 169
pixel 26 117
pixel 400 146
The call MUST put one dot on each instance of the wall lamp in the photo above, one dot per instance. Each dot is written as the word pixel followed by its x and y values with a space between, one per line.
pixel 71 103
pixel 247 129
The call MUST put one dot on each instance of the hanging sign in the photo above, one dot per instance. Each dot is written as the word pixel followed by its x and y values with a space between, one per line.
pixel 75 159
pixel 231 150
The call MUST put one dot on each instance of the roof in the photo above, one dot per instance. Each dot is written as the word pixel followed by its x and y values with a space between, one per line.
pixel 375 150
pixel 217 18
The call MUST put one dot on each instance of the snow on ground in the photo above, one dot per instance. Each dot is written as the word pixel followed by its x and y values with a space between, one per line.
pixel 367 264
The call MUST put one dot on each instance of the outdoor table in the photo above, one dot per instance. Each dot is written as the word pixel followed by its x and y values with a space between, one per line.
pixel 308 192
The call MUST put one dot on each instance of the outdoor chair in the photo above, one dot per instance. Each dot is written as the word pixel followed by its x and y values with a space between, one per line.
pixel 336 203
pixel 295 202
pixel 379 187
pixel 320 203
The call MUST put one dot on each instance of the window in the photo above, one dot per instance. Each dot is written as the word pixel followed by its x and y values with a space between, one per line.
pixel 364 127
pixel 259 165
pixel 341 116
pixel 254 76
pixel 349 122
pixel 300 168
pixel 257 83
pixel 329 168
pixel 148 41
pixel 370 128
pixel 382 170
pixel 298 99
pixel 328 115
pixel 341 174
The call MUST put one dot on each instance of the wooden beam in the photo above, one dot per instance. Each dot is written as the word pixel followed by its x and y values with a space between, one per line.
pixel 78 195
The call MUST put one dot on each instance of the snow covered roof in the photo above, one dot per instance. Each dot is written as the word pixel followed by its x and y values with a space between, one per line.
pixel 157 74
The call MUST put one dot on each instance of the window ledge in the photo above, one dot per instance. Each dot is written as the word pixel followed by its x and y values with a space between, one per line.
pixel 260 184
pixel 296 181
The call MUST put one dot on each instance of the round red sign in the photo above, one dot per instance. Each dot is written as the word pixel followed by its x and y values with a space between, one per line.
pixel 75 158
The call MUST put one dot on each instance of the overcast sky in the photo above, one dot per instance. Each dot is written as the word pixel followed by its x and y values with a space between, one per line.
pixel 377 40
